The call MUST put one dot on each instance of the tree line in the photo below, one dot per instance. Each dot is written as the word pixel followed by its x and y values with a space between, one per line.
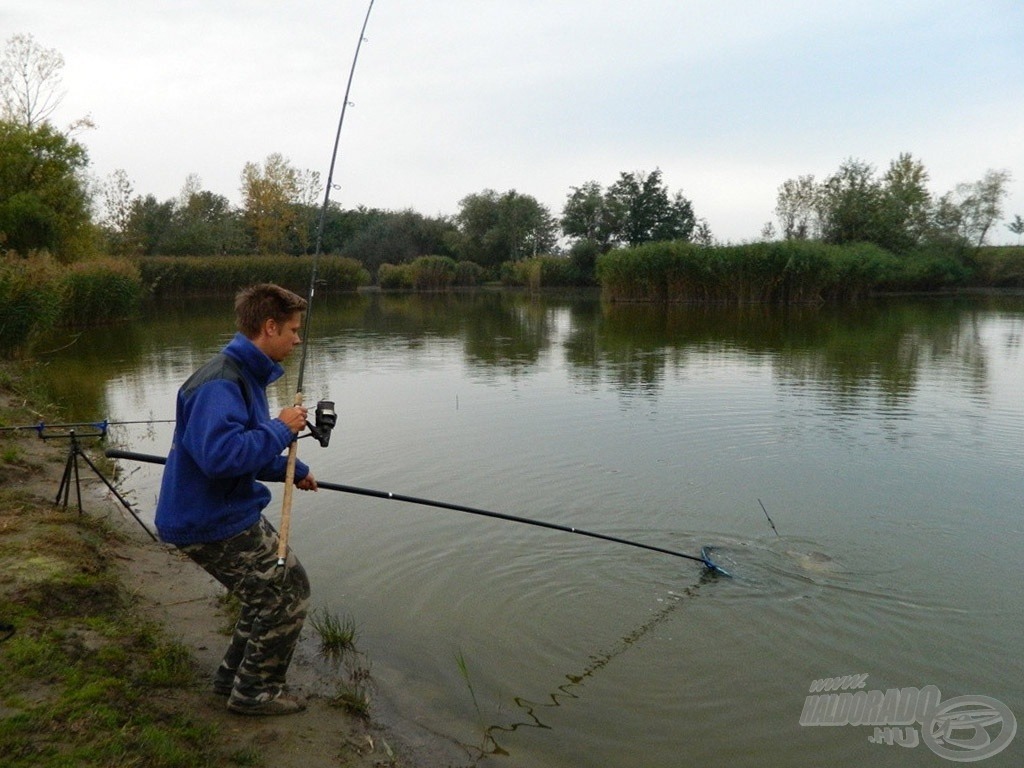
pixel 48 202
pixel 894 210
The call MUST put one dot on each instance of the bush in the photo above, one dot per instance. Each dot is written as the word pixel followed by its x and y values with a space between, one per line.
pixel 31 297
pixel 541 272
pixel 429 273
pixel 583 256
pixel 468 273
pixel 395 276
pixel 1001 266
pixel 433 273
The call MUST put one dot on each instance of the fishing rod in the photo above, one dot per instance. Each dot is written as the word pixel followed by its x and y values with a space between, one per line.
pixel 289 482
pixel 704 557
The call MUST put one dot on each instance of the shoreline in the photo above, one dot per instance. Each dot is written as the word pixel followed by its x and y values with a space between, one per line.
pixel 166 589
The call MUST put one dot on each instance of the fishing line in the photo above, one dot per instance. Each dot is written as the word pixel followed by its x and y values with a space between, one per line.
pixel 289 482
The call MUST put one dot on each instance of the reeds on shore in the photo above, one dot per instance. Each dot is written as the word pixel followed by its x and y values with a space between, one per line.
pixel 37 293
pixel 763 273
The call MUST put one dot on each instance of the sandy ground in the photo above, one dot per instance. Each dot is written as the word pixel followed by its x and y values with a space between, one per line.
pixel 187 601
pixel 173 590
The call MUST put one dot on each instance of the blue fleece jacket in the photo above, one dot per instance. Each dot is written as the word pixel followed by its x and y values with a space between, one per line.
pixel 224 442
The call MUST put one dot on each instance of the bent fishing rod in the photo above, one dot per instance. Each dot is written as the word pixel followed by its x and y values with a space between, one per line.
pixel 289 482
pixel 704 557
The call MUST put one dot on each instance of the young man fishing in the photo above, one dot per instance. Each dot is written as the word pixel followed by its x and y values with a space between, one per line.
pixel 211 501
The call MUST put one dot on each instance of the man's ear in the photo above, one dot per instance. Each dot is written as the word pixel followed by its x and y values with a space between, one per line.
pixel 270 327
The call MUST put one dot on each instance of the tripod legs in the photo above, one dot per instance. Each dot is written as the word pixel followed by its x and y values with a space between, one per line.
pixel 71 468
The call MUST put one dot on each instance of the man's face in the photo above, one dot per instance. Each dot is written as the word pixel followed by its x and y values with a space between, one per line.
pixel 278 339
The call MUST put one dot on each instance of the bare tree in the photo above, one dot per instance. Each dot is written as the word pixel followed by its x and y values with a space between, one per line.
pixel 799 209
pixel 30 79
pixel 118 199
pixel 981 205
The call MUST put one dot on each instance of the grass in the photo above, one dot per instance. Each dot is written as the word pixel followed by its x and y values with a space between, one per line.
pixel 488 745
pixel 460 661
pixel 337 634
pixel 338 643
pixel 353 694
pixel 86 680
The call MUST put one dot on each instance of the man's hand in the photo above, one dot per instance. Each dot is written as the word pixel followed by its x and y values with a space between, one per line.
pixel 294 418
pixel 308 483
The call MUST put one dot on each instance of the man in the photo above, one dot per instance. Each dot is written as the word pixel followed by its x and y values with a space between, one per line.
pixel 211 502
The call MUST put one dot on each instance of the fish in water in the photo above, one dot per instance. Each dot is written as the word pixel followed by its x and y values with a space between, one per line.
pixel 814 562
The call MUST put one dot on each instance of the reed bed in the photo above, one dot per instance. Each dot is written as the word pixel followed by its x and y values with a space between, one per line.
pixel 214 275
pixel 38 294
pixel 31 301
pixel 789 272
pixel 100 291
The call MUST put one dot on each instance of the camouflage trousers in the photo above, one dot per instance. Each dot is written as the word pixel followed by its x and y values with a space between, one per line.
pixel 274 605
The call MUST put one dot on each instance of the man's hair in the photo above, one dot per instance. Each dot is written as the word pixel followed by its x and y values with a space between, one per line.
pixel 266 301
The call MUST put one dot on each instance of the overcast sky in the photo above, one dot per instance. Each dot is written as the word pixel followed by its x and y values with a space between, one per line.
pixel 729 98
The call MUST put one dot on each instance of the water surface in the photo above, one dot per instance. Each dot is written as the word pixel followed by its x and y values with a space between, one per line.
pixel 884 441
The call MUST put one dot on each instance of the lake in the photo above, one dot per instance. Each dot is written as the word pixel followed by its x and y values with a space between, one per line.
pixel 882 441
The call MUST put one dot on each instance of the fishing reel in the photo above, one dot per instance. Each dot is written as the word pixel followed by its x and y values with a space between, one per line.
pixel 325 421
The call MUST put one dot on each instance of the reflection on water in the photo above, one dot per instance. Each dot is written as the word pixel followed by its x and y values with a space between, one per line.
pixel 872 350
pixel 883 438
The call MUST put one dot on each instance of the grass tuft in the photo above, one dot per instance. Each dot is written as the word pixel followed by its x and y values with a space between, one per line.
pixel 337 634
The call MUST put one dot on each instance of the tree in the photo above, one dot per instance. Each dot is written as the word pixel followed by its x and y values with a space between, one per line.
pixel 270 196
pixel 907 200
pixel 117 212
pixel 981 205
pixel 851 204
pixel 44 202
pixel 494 228
pixel 702 234
pixel 398 238
pixel 904 209
pixel 1017 227
pixel 151 226
pixel 640 210
pixel 204 223
pixel 30 78
pixel 307 206
pixel 798 208
pixel 585 216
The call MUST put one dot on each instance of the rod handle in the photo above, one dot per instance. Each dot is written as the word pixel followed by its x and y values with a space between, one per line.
pixel 289 489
